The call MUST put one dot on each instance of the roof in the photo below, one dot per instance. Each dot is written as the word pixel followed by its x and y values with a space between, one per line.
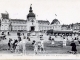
pixel 54 31
pixel 65 25
pixel 63 31
pixel 54 21
pixel 75 24
pixel 31 14
pixel 17 20
pixel 71 25
pixel 43 21
pixel 5 15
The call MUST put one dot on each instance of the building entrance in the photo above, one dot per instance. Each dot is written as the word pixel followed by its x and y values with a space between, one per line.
pixel 32 28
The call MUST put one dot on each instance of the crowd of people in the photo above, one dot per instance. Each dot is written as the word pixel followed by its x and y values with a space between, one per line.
pixel 72 41
pixel 19 45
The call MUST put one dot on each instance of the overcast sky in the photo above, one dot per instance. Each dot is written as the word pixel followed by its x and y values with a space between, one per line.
pixel 67 11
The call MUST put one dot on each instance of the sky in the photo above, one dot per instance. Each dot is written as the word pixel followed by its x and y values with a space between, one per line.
pixel 67 11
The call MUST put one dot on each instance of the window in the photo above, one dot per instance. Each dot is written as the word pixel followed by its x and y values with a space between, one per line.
pixel 13 22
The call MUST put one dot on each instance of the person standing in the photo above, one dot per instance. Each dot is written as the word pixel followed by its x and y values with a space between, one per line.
pixel 42 43
pixel 15 44
pixel 64 41
pixel 19 38
pixel 52 41
pixel 8 33
pixel 17 47
pixel 24 44
pixel 79 39
pixel 35 45
pixel 74 50
pixel 10 44
pixel 50 38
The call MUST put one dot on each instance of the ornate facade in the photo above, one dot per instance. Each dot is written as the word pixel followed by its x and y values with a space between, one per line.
pixel 30 24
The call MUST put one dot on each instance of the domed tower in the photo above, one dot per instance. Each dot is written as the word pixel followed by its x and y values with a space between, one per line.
pixel 32 24
pixel 56 24
pixel 31 15
pixel 55 21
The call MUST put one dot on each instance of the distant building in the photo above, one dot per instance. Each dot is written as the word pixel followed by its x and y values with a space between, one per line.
pixel 56 24
pixel 30 24
pixel 18 24
pixel 65 27
pixel 75 27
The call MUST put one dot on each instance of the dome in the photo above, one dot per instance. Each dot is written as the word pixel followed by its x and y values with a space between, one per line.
pixel 55 21
pixel 31 14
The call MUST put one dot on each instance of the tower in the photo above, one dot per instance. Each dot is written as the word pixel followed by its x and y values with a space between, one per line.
pixel 5 21
pixel 32 24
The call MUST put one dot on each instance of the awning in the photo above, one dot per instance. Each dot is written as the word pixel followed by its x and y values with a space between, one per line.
pixel 62 31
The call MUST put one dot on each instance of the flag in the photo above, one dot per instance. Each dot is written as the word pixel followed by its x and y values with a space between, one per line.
pixel 55 15
pixel 6 12
pixel 31 5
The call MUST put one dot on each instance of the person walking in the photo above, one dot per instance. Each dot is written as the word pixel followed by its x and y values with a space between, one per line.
pixel 74 50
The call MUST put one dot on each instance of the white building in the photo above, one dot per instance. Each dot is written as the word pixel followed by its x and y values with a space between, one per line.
pixel 30 24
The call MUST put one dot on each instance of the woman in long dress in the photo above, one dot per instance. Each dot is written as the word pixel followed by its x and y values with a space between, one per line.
pixel 74 50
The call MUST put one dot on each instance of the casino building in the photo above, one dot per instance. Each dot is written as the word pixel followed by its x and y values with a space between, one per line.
pixel 30 24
